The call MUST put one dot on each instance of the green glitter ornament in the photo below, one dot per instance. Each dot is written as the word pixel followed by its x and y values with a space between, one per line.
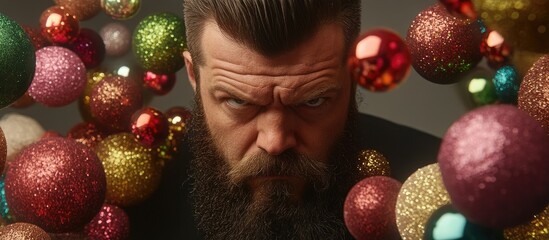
pixel 158 42
pixel 17 61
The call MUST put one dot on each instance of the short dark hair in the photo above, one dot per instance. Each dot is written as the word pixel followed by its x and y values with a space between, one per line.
pixel 268 26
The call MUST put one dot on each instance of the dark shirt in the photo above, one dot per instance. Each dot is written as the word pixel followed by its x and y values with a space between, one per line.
pixel 168 213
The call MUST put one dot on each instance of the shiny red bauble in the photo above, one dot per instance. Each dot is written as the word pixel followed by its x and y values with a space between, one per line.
pixel 59 25
pixel 150 126
pixel 160 84
pixel 460 8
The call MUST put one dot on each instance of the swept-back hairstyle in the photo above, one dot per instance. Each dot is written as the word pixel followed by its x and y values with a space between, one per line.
pixel 268 26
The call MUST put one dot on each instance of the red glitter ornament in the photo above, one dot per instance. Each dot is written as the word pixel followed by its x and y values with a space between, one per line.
pixel 56 184
pixel 149 126
pixel 495 50
pixel 463 8
pixel 369 210
pixel 533 95
pixel 89 47
pixel 442 46
pixel 160 84
pixel 87 133
pixel 493 162
pixel 113 100
pixel 58 25
pixel 35 35
pixel 379 60
pixel 111 223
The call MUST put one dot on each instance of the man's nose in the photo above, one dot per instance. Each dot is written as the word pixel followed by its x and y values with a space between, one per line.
pixel 276 131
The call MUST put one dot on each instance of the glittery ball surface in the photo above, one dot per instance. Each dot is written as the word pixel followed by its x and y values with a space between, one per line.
pixel 373 163
pixel 110 223
pixel 536 229
pixel 533 96
pixel 89 47
pixel 23 231
pixel 369 210
pixel 81 9
pixel 421 195
pixel 494 158
pixel 121 9
pixel 507 83
pixel 87 133
pixel 55 183
pixel 132 172
pixel 443 46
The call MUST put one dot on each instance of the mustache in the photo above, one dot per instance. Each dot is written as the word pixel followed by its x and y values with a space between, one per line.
pixel 289 163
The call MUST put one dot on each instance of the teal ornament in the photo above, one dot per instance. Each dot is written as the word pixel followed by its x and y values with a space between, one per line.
pixel 446 223
pixel 17 61
pixel 4 209
pixel 507 84
pixel 158 43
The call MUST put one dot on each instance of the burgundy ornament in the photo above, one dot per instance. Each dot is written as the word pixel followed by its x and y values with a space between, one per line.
pixel 87 133
pixel 462 8
pixel 35 35
pixel 58 25
pixel 495 50
pixel 379 60
pixel 442 46
pixel 493 162
pixel 533 95
pixel 111 223
pixel 113 100
pixel 56 184
pixel 160 84
pixel 369 210
pixel 89 47
pixel 149 126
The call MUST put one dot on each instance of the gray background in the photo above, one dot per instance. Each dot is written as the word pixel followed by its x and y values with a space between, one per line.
pixel 416 102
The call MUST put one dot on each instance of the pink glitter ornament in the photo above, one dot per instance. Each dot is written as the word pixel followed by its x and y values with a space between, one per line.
pixel 533 97
pixel 60 77
pixel 56 184
pixel 379 60
pixel 369 210
pixel 89 47
pixel 111 223
pixel 493 162
pixel 160 84
pixel 59 25
pixel 117 39
pixel 149 126
pixel 113 100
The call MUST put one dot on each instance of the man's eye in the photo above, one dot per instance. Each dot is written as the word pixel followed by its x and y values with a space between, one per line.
pixel 315 102
pixel 236 103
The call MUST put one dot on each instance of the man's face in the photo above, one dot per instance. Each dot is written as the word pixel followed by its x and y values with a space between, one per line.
pixel 268 126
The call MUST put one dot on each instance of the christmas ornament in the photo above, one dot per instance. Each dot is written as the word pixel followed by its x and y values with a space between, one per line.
pixel 35 35
pixel 536 229
pixel 158 42
pixel 507 84
pixel 87 133
pixel 443 46
pixel 23 102
pixel 55 183
pixel 3 151
pixel 48 134
pixel 111 223
pixel 495 50
pixel 132 173
pixel 23 231
pixel 89 46
pixel 462 8
pixel 113 101
pixel 494 158
pixel 160 84
pixel 93 77
pixel 5 214
pixel 149 126
pixel 58 25
pixel 117 39
pixel 523 24
pixel 20 131
pixel 369 210
pixel 17 61
pixel 68 236
pixel 373 163
pixel 482 91
pixel 81 9
pixel 121 9
pixel 178 118
pixel 379 60
pixel 532 96
pixel 60 77
pixel 448 223
pixel 420 196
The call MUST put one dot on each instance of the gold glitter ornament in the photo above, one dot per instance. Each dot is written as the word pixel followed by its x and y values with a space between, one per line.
pixel 373 163
pixel 23 231
pixel 82 9
pixel 537 229
pixel 523 23
pixel 158 42
pixel 421 195
pixel 131 170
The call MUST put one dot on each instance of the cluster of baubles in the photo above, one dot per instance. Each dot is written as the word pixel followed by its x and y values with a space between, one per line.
pixel 492 171
pixel 115 157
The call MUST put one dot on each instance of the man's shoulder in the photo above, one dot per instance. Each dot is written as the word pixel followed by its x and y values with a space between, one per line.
pixel 406 148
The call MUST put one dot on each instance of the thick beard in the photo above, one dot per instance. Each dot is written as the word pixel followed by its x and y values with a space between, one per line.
pixel 224 210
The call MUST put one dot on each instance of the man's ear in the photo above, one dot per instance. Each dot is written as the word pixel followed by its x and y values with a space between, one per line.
pixel 190 69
